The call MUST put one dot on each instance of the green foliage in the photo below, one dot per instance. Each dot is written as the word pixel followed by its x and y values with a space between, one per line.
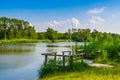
pixel 92 73
pixel 51 67
pixel 67 35
pixel 56 66
pixel 62 40
pixel 79 66
pixel 82 35
pixel 51 34
pixel 41 35
pixel 23 40
pixel 109 50
pixel 11 28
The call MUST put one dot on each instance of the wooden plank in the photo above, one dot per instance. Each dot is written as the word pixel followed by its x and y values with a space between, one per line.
pixel 48 53
pixel 57 55
pixel 66 51
pixel 63 55
pixel 69 52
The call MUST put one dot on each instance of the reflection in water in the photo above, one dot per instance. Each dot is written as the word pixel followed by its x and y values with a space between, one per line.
pixel 16 48
pixel 22 61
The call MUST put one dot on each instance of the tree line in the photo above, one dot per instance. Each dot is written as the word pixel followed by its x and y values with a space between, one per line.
pixel 12 28
pixel 80 35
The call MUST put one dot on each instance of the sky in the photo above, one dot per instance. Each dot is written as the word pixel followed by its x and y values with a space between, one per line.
pixel 103 15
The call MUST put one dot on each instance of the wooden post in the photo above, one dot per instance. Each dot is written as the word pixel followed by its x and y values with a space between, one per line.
pixel 71 61
pixel 63 53
pixel 45 59
pixel 63 61
pixel 82 56
pixel 55 57
pixel 70 53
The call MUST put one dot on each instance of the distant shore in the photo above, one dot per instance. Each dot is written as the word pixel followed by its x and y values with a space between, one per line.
pixel 29 40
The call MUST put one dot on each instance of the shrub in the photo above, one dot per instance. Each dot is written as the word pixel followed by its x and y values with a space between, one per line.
pixel 54 66
pixel 110 51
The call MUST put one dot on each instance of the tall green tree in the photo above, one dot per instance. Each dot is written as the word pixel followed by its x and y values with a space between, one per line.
pixel 41 35
pixel 82 35
pixel 51 34
pixel 12 28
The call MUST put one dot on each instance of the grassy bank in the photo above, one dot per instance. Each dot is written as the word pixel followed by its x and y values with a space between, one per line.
pixel 104 51
pixel 91 73
pixel 63 40
pixel 22 41
pixel 78 71
pixel 29 40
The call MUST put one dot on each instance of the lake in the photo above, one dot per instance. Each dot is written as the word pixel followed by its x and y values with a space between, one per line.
pixel 21 61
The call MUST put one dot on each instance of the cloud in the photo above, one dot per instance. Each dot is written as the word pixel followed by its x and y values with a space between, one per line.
pixel 30 24
pixel 96 20
pixel 96 10
pixel 61 26
pixel 73 22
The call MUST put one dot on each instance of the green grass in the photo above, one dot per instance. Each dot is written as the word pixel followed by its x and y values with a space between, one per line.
pixel 63 40
pixel 23 40
pixel 79 71
pixel 29 40
pixel 92 73
pixel 56 66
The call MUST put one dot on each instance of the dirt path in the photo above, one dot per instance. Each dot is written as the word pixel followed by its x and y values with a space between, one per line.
pixel 90 62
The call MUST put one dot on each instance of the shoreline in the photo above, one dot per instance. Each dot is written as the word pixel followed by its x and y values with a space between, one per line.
pixel 91 63
pixel 29 40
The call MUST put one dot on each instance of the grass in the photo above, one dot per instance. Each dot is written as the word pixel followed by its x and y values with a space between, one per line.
pixel 63 40
pixel 23 40
pixel 91 73
pixel 79 71
pixel 82 76
pixel 109 54
pixel 29 40
pixel 56 66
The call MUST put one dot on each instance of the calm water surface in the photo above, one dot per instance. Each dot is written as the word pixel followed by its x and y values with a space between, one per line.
pixel 22 61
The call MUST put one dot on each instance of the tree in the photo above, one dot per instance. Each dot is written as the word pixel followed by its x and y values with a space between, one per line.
pixel 31 34
pixel 3 21
pixel 97 36
pixel 41 35
pixel 12 28
pixel 82 35
pixel 51 34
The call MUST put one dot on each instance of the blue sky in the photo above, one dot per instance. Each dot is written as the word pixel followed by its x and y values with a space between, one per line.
pixel 103 15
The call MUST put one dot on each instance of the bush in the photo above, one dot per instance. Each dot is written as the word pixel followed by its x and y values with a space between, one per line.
pixel 79 66
pixel 109 51
pixel 50 67
pixel 54 66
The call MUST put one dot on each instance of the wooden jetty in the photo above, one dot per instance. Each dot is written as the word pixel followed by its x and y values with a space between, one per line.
pixel 69 55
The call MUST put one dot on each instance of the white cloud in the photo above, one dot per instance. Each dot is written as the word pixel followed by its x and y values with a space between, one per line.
pixel 30 24
pixel 73 22
pixel 96 20
pixel 96 10
pixel 61 26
